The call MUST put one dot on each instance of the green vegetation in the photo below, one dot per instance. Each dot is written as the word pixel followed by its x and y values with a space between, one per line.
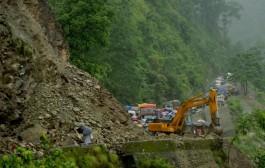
pixel 259 158
pixel 73 157
pixel 153 163
pixel 248 67
pixel 250 134
pixel 85 25
pixel 45 142
pixel 249 130
pixel 219 156
pixel 141 49
pixel 260 96
pixel 58 158
pixel 235 106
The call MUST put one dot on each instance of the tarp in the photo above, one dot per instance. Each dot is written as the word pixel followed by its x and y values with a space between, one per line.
pixel 146 105
pixel 128 107
pixel 223 90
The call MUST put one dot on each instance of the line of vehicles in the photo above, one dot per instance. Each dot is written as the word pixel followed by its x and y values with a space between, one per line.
pixel 174 120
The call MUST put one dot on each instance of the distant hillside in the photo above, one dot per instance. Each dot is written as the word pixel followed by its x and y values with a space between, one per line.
pixel 152 50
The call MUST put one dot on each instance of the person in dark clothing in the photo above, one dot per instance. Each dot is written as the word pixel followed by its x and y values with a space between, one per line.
pixel 87 133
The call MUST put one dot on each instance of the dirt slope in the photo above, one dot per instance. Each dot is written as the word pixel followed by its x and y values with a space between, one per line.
pixel 39 91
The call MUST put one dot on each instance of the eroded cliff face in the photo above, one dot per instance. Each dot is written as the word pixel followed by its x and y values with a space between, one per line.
pixel 41 91
pixel 29 35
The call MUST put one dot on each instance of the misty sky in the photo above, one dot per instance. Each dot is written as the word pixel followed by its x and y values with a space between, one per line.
pixel 251 27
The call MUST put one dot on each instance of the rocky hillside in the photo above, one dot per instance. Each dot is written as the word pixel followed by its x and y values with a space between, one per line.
pixel 41 91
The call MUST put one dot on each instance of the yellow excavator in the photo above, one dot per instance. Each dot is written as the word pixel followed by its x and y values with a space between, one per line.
pixel 177 123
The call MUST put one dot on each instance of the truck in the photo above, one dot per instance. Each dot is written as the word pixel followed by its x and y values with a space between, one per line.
pixel 176 125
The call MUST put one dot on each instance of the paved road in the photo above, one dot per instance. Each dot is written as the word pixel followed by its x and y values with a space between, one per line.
pixel 225 119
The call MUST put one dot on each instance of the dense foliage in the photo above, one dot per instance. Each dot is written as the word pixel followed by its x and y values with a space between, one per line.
pixel 148 50
pixel 96 157
pixel 248 66
pixel 250 134
pixel 85 24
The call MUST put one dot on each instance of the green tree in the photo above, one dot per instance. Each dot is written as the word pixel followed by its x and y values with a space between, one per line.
pixel 85 24
pixel 211 12
pixel 253 123
pixel 248 67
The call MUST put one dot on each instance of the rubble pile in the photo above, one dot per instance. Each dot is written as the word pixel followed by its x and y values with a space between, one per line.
pixel 41 92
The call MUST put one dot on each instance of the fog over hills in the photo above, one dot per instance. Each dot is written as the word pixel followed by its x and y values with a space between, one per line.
pixel 250 28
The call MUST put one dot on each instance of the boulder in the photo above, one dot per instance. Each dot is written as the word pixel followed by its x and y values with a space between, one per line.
pixel 32 135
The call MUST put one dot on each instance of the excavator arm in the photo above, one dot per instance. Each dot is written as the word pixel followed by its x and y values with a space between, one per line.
pixel 177 124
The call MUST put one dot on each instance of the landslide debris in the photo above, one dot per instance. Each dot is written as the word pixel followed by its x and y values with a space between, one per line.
pixel 41 92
